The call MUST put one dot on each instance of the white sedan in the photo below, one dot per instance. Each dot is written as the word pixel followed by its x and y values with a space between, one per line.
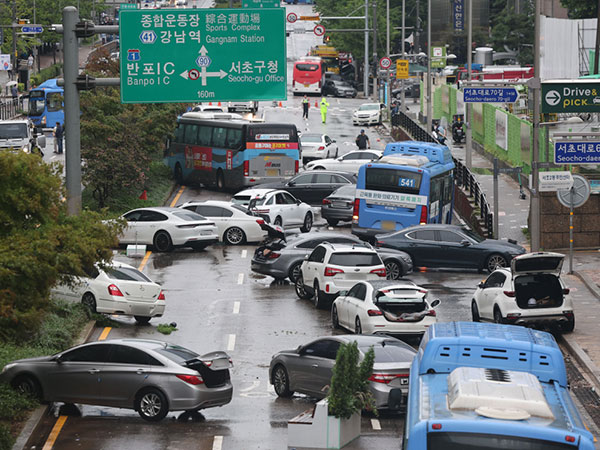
pixel 165 228
pixel 350 162
pixel 120 289
pixel 367 114
pixel 235 224
pixel 390 307
pixel 281 207
pixel 317 146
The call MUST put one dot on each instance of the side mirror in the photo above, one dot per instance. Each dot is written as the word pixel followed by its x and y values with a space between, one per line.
pixel 41 141
pixel 465 243
pixel 306 257
pixel 481 285
pixel 58 359
pixel 298 201
pixel 343 293
pixel 291 183
pixel 333 140
pixel 436 302
pixel 341 158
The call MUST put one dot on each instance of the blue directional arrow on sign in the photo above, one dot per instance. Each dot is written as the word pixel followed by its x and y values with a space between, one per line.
pixel 32 29
pixel 490 94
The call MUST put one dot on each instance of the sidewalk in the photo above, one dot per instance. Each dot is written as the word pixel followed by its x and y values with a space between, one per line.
pixel 584 342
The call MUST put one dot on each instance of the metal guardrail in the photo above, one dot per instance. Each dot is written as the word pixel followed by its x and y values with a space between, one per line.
pixel 463 177
pixel 9 109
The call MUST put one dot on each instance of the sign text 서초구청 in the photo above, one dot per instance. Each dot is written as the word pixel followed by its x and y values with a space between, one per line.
pixel 203 55
pixel 577 152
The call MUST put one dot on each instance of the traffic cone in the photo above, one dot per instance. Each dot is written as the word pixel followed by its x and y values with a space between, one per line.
pixel 219 104
pixel 144 195
pixel 280 105
pixel 316 104
pixel 209 103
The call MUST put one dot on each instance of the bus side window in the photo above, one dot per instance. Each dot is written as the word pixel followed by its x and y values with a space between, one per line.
pixel 219 137
pixel 448 188
pixel 191 134
pixel 234 138
pixel 204 136
pixel 179 133
pixel 54 101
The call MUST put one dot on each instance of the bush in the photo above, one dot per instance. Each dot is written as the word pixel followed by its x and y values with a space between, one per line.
pixel 45 74
pixel 6 439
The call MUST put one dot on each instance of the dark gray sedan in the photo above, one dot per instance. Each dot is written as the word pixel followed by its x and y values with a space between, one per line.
pixel 437 245
pixel 338 206
pixel 307 369
pixel 151 377
pixel 283 260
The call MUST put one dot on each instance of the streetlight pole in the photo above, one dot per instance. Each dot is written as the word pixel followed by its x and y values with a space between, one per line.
pixel 375 65
pixel 534 206
pixel 366 68
pixel 468 106
pixel 429 112
pixel 402 95
pixel 14 41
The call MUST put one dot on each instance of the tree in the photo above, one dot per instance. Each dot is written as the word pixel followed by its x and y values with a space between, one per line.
pixel 119 141
pixel 514 32
pixel 39 243
pixel 581 9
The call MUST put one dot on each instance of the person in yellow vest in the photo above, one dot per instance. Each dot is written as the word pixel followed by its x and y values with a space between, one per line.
pixel 324 106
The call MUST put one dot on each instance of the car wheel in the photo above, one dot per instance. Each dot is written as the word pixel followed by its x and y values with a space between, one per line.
pixel 357 326
pixel 495 261
pixel 475 312
pixel 178 173
pixel 335 320
pixel 278 221
pixel 142 320
pixel 294 271
pixel 281 382
pixel 332 222
pixel 300 289
pixel 234 236
pixel 220 180
pixel 308 223
pixel 89 301
pixel 498 315
pixel 151 404
pixel 393 270
pixel 569 326
pixel 28 385
pixel 162 242
pixel 318 298
pixel 336 153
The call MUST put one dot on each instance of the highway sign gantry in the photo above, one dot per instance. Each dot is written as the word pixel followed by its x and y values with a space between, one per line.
pixel 581 96
pixel 490 94
pixel 203 55
pixel 260 4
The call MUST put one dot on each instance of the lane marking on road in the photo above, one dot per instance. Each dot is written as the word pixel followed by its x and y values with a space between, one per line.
pixel 236 307
pixel 254 385
pixel 375 424
pixel 145 260
pixel 54 433
pixel 217 443
pixel 174 202
pixel 241 278
pixel 244 253
pixel 104 333
pixel 231 343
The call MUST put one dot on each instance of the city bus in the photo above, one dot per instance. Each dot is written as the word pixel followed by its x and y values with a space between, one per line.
pixel 46 104
pixel 411 184
pixel 308 75
pixel 231 154
pixel 485 386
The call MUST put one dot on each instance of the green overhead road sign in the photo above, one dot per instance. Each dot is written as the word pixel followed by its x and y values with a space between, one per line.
pixel 260 4
pixel 197 55
pixel 571 96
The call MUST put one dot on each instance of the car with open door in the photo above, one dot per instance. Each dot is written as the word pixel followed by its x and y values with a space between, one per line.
pixel 530 292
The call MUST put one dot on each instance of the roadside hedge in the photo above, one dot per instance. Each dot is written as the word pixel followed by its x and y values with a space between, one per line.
pixel 46 74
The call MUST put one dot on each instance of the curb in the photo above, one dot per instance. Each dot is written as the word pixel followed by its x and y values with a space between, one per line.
pixel 589 283
pixel 583 359
pixel 40 412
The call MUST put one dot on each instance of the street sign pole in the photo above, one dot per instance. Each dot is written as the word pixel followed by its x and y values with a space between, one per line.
pixel 534 207
pixel 571 207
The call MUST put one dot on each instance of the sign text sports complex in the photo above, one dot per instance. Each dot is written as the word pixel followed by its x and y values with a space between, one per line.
pixel 202 55
pixel 578 97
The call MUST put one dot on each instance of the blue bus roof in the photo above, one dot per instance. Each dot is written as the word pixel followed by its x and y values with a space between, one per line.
pixel 50 85
pixel 446 346
pixel 434 152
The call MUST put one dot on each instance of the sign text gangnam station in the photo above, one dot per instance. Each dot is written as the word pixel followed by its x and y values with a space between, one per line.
pixel 202 55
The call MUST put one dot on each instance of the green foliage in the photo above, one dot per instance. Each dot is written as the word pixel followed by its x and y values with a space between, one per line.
pixel 45 74
pixel 165 328
pixel 514 31
pixel 349 392
pixel 6 439
pixel 120 141
pixel 39 242
pixel 581 9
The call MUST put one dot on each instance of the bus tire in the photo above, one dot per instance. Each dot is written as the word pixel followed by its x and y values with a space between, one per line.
pixel 220 181
pixel 178 174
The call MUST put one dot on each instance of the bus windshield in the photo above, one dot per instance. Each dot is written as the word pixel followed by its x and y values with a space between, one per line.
pixel 393 180
pixel 36 103
pixel 305 67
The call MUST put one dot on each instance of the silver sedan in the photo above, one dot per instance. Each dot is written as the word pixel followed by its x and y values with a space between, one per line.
pixel 151 377
pixel 308 369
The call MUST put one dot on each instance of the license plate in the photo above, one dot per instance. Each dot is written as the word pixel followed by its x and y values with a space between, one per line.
pixel 388 225
pixel 272 172
pixel 339 205
pixel 306 84
pixel 205 233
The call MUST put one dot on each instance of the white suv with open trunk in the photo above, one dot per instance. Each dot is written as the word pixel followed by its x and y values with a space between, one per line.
pixel 332 268
pixel 530 292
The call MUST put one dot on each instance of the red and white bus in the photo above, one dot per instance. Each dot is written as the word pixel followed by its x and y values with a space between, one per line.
pixel 308 76
pixel 493 74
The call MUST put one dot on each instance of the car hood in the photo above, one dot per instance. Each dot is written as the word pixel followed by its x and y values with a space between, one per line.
pixel 35 359
pixel 504 246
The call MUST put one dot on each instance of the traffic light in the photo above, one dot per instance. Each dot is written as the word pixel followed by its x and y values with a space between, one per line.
pixel 326 39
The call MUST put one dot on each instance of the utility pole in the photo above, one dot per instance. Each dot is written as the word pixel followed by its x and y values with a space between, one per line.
pixel 375 65
pixel 366 68
pixel 14 41
pixel 387 53
pixel 468 106
pixel 534 207
pixel 429 112
pixel 402 95
pixel 417 42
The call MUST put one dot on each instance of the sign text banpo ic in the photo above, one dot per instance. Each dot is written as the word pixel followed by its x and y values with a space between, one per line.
pixel 202 55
